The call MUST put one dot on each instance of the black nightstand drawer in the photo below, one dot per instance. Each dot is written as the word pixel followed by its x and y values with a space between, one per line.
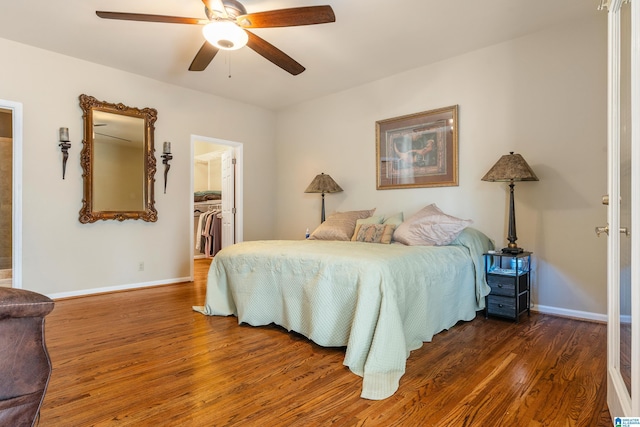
pixel 501 306
pixel 506 306
pixel 506 285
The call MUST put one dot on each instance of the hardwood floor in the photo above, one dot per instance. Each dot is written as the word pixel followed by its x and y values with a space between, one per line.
pixel 144 358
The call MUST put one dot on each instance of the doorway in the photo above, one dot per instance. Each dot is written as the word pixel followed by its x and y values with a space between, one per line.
pixel 216 172
pixel 11 194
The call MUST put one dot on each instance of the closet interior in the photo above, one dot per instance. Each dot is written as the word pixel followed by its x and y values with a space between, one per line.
pixel 207 227
pixel 207 199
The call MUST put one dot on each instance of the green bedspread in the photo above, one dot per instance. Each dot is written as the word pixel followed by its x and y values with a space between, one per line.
pixel 380 301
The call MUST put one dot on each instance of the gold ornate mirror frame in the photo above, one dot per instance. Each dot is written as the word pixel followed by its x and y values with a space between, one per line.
pixel 126 177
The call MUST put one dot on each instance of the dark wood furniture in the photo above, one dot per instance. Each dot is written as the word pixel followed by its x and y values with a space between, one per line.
pixel 509 276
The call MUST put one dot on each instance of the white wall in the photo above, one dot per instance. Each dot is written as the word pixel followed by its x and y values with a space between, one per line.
pixel 208 173
pixel 543 96
pixel 64 257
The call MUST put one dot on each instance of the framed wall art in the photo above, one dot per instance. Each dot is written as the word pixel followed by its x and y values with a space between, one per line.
pixel 418 150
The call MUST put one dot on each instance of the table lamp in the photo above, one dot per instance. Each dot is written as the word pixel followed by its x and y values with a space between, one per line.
pixel 510 168
pixel 323 184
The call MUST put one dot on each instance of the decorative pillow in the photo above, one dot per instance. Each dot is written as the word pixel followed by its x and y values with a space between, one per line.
pixel 374 233
pixel 340 225
pixel 375 219
pixel 430 227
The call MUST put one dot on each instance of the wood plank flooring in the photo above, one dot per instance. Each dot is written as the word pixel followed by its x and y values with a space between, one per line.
pixel 144 358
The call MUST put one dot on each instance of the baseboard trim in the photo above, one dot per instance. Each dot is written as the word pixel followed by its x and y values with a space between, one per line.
pixel 108 289
pixel 565 312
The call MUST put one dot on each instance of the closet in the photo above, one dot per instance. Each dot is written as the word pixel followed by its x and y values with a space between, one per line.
pixel 207 228
pixel 207 198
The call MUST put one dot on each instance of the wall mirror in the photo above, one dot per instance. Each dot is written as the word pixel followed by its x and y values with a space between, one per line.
pixel 118 162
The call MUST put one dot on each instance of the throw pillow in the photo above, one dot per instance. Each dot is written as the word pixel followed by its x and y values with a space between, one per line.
pixel 375 219
pixel 340 225
pixel 430 227
pixel 374 233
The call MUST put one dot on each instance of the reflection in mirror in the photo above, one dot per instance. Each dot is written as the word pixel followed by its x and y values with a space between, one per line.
pixel 118 175
pixel 118 162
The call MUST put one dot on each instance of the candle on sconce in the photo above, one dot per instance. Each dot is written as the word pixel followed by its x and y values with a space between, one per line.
pixel 64 134
pixel 166 148
pixel 64 146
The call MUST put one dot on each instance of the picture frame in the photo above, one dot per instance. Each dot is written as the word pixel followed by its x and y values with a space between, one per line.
pixel 418 150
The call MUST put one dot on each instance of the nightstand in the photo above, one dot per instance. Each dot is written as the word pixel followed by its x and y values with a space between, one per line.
pixel 509 276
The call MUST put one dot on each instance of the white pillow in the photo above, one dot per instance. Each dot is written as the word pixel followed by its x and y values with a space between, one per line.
pixel 430 227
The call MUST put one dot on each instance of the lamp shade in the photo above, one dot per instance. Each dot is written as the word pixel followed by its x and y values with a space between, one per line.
pixel 323 184
pixel 510 167
pixel 225 35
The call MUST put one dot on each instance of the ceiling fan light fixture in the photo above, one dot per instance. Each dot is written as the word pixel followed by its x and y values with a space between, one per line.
pixel 225 35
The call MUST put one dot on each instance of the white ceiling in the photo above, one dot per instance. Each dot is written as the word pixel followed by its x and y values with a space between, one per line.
pixel 370 39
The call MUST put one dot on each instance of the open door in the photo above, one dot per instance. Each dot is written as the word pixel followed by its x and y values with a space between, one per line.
pixel 228 200
pixel 623 212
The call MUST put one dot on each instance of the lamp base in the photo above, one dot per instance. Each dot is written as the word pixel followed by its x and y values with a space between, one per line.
pixel 508 250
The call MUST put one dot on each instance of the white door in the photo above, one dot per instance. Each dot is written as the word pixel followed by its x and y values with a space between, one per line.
pixel 228 199
pixel 623 343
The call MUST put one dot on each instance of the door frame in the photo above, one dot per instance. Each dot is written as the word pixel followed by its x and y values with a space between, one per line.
pixel 238 150
pixel 16 204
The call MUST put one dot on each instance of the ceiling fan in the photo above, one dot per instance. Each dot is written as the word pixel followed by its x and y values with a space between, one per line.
pixel 225 28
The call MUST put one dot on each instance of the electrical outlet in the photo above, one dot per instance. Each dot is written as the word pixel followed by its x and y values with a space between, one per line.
pixel 141 266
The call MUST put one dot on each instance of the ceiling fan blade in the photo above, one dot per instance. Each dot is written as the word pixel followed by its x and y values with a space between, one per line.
pixel 308 15
pixel 204 56
pixel 273 54
pixel 150 18
pixel 216 6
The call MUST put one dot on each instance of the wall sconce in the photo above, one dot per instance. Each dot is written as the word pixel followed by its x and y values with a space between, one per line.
pixel 64 146
pixel 166 156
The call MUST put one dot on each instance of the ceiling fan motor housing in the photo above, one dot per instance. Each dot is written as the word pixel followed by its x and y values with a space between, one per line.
pixel 232 7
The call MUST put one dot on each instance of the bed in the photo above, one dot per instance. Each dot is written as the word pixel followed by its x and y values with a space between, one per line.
pixel 379 301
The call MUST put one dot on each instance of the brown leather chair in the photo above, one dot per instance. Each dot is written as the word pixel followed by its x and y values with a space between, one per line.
pixel 25 367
